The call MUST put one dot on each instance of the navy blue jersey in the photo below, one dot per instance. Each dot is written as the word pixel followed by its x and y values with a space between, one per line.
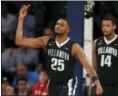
pixel 60 62
pixel 107 61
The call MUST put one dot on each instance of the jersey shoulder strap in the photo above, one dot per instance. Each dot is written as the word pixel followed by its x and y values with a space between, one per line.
pixel 70 44
pixel 98 42
pixel 100 39
pixel 51 40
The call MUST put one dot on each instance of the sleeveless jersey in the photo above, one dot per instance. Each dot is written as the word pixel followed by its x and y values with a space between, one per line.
pixel 60 62
pixel 107 61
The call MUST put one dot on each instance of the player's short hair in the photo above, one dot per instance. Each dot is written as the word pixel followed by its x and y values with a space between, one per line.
pixel 110 17
pixel 65 19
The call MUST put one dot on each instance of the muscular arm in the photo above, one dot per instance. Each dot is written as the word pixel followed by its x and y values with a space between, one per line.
pixel 30 42
pixel 78 52
pixel 94 62
pixel 94 57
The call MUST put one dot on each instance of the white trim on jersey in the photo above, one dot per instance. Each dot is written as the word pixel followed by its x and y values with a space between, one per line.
pixel 74 90
pixel 70 87
pixel 71 90
pixel 60 45
pixel 108 42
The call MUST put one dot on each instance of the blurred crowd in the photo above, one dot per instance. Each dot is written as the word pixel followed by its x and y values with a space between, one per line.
pixel 23 69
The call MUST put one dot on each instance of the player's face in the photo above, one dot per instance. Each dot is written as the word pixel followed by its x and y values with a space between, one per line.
pixel 43 77
pixel 108 27
pixel 61 27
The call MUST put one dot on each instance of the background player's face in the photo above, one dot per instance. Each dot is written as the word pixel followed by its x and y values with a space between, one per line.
pixel 108 27
pixel 61 27
pixel 43 77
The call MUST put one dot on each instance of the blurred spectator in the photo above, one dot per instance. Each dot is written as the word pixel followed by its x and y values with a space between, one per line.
pixel 9 91
pixel 46 32
pixel 8 63
pixel 22 72
pixel 5 83
pixel 39 10
pixel 22 88
pixel 39 68
pixel 27 56
pixel 28 28
pixel 41 87
pixel 3 47
pixel 8 22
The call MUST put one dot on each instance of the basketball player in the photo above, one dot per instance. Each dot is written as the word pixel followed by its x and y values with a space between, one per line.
pixel 105 56
pixel 62 54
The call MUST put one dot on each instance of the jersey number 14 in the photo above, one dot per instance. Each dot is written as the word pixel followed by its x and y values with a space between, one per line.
pixel 57 64
pixel 106 60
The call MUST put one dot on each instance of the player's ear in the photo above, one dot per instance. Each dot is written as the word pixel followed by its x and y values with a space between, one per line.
pixel 68 29
pixel 114 27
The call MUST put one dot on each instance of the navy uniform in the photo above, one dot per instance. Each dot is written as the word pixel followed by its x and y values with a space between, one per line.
pixel 60 65
pixel 107 65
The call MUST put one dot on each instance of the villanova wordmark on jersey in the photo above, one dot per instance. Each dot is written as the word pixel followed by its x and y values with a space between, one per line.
pixel 108 50
pixel 58 53
pixel 107 60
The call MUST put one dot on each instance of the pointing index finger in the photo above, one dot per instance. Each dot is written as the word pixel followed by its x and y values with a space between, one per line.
pixel 28 6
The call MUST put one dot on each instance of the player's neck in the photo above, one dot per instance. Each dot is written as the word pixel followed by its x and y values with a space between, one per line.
pixel 61 39
pixel 110 37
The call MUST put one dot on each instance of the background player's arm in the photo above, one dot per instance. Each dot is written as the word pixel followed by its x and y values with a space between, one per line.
pixel 30 42
pixel 78 52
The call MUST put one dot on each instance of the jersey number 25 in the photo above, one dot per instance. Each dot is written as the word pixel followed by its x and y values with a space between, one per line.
pixel 57 64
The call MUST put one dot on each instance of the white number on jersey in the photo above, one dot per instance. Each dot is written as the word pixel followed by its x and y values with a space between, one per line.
pixel 57 64
pixel 106 61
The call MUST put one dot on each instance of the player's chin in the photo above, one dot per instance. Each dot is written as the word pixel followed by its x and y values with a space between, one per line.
pixel 106 34
pixel 58 33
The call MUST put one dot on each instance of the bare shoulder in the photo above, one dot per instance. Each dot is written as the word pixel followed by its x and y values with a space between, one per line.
pixel 95 41
pixel 76 48
pixel 44 39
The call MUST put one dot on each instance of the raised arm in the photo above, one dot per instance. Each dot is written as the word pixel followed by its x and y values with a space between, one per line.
pixel 30 42
pixel 78 52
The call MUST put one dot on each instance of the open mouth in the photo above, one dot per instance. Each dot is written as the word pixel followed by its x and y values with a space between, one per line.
pixel 57 30
pixel 105 32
